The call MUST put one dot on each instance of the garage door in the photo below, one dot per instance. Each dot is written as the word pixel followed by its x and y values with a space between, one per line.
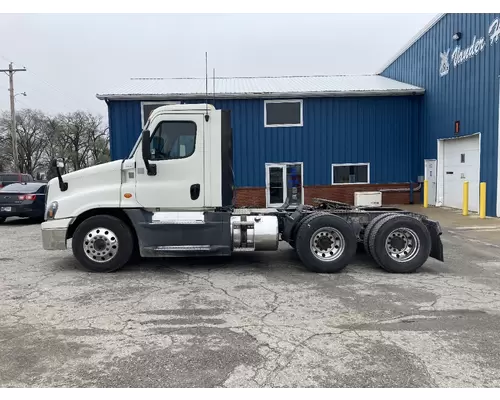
pixel 461 163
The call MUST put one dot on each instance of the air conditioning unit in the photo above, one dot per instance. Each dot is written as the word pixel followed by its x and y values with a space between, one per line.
pixel 368 199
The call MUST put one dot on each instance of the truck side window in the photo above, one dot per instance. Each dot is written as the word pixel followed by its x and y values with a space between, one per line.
pixel 173 140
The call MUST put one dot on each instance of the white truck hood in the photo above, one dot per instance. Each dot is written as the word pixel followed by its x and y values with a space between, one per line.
pixel 96 186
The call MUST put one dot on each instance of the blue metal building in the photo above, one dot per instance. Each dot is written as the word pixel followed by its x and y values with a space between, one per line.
pixel 456 59
pixel 339 134
pixel 432 111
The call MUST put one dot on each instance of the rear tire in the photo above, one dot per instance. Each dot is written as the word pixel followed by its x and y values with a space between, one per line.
pixel 369 229
pixel 400 243
pixel 308 217
pixel 2 219
pixel 102 243
pixel 325 243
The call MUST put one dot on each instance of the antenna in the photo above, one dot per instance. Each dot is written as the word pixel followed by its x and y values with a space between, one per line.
pixel 214 87
pixel 206 85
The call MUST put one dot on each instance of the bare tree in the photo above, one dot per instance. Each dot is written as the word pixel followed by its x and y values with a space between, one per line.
pixel 31 133
pixel 54 147
pixel 5 152
pixel 100 146
pixel 82 140
pixel 30 129
pixel 5 146
pixel 78 138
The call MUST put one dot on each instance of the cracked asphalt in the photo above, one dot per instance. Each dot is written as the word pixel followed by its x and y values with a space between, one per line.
pixel 252 320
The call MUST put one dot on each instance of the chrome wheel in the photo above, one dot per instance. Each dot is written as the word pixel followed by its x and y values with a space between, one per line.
pixel 100 245
pixel 327 244
pixel 402 244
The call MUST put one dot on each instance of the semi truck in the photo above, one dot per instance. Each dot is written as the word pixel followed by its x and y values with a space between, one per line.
pixel 174 197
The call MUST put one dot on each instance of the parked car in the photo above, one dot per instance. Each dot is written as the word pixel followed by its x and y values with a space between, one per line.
pixel 25 200
pixel 7 178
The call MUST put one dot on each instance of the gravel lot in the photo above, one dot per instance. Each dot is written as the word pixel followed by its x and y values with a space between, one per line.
pixel 253 320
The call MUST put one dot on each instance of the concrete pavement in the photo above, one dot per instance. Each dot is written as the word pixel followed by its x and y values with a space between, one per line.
pixel 252 320
pixel 470 228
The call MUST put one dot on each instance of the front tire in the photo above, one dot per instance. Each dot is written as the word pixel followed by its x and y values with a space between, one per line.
pixel 102 243
pixel 400 243
pixel 326 243
pixel 2 220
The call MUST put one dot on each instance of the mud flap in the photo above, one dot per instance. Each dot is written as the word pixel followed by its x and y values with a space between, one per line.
pixel 437 245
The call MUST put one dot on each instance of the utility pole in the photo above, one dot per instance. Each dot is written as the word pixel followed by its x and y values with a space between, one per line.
pixel 10 72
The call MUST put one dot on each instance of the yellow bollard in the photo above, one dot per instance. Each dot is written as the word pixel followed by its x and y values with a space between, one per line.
pixel 465 204
pixel 482 200
pixel 426 193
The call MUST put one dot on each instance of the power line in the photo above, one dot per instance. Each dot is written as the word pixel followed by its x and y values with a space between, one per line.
pixel 6 59
pixel 66 96
pixel 23 103
pixel 48 84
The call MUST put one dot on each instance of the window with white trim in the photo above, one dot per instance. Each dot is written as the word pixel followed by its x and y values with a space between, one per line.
pixel 283 113
pixel 147 107
pixel 350 173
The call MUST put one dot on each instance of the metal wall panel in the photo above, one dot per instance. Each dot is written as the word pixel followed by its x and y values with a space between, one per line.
pixel 124 127
pixel 379 130
pixel 468 93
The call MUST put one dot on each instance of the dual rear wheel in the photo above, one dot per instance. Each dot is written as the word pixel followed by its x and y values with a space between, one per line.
pixel 326 243
pixel 399 243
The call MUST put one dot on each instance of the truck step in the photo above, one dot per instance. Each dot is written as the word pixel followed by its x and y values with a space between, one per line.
pixel 201 247
pixel 185 251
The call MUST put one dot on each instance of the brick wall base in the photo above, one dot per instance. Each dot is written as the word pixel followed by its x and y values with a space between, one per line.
pixel 256 197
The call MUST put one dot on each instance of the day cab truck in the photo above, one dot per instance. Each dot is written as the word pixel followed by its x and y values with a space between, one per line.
pixel 173 197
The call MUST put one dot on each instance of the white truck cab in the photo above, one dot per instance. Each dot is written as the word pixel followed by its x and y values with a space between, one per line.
pixel 173 196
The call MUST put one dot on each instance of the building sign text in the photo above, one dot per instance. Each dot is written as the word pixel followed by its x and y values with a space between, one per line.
pixel 461 55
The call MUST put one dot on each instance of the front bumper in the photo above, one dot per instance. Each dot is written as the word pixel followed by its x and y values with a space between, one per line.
pixel 54 234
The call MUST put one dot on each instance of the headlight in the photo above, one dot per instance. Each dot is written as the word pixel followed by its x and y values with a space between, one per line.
pixel 50 213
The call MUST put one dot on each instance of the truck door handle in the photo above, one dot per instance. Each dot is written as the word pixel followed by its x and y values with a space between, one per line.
pixel 195 191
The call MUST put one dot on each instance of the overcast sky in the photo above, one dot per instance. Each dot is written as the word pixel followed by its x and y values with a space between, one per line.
pixel 70 58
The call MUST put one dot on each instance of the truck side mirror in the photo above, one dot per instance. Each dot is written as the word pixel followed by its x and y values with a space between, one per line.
pixel 57 165
pixel 146 152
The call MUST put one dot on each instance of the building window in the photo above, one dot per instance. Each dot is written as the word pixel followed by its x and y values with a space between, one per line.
pixel 173 140
pixel 350 173
pixel 147 107
pixel 283 113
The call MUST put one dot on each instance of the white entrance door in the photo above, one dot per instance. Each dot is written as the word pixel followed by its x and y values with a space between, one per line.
pixel 461 163
pixel 431 178
pixel 284 180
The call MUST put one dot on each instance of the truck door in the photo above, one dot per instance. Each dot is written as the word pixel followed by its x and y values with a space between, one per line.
pixel 177 146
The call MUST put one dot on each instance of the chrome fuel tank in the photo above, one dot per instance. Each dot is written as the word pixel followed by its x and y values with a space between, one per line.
pixel 254 232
